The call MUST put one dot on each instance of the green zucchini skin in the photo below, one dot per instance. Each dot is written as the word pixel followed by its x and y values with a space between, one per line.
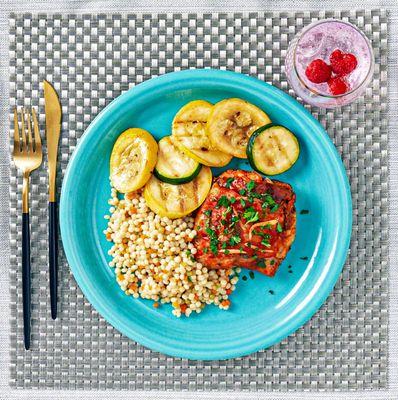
pixel 178 181
pixel 251 143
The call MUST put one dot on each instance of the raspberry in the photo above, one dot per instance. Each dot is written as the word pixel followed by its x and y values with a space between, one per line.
pixel 337 86
pixel 335 56
pixel 318 71
pixel 342 63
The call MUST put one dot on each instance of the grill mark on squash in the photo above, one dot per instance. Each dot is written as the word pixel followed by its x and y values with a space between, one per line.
pixel 270 160
pixel 276 144
pixel 193 128
pixel 162 195
pixel 195 189
pixel 209 153
pixel 282 149
pixel 170 167
pixel 180 189
pixel 272 142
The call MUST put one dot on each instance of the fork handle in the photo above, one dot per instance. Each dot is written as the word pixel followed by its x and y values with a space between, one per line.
pixel 53 255
pixel 26 278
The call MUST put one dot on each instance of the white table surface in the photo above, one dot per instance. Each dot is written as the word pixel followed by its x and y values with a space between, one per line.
pixel 78 6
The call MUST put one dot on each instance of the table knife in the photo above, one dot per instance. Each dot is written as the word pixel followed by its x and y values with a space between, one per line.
pixel 53 129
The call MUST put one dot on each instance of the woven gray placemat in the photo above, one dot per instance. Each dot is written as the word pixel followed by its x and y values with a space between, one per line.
pixel 94 58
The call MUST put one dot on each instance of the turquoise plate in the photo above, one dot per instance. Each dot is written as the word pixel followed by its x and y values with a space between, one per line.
pixel 264 310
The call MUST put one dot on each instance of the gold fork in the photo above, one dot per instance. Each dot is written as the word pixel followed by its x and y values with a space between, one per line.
pixel 27 156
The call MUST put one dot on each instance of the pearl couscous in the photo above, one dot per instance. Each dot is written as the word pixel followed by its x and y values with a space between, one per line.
pixel 153 258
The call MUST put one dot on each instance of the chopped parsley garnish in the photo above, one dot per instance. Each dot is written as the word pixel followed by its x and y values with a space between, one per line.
pixel 226 251
pixel 233 240
pixel 303 258
pixel 213 240
pixel 269 199
pixel 224 245
pixel 302 212
pixel 213 247
pixel 211 233
pixel 223 202
pixel 251 273
pixel 271 292
pixel 262 234
pixel 251 215
pixel 232 200
pixel 274 208
pixel 265 242
pixel 243 203
pixel 205 250
pixel 227 210
pixel 279 228
pixel 256 195
pixel 229 182
pixel 251 185
pixel 242 192
pixel 188 252
pixel 272 262
pixel 208 212
pixel 234 219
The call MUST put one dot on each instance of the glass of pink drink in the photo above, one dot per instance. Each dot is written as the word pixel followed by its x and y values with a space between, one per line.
pixel 317 42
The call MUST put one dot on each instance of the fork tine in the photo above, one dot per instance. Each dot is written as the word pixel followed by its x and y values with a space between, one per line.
pixel 29 123
pixel 23 133
pixel 17 146
pixel 36 131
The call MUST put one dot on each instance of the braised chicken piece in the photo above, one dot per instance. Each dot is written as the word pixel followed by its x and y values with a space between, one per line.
pixel 246 221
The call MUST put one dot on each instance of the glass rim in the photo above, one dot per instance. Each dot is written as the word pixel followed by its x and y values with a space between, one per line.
pixel 369 73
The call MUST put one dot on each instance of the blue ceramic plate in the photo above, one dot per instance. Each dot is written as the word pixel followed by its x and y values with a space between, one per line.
pixel 264 310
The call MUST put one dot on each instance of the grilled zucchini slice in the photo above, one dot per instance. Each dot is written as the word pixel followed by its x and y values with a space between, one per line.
pixel 189 134
pixel 176 201
pixel 272 149
pixel 173 165
pixel 133 159
pixel 231 123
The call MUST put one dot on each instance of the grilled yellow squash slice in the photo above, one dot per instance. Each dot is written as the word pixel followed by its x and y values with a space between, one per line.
pixel 176 201
pixel 133 158
pixel 231 123
pixel 189 134
pixel 173 165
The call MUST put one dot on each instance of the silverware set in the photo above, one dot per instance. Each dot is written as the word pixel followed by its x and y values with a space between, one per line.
pixel 28 156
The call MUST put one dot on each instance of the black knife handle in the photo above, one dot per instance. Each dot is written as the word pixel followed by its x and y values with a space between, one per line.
pixel 53 256
pixel 26 299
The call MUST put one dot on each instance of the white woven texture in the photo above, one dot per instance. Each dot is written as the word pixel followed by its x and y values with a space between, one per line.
pixel 4 172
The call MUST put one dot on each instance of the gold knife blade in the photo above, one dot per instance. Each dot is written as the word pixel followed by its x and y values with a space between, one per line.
pixel 53 113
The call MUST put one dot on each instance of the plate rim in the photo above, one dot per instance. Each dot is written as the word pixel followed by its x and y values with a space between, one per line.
pixel 313 304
